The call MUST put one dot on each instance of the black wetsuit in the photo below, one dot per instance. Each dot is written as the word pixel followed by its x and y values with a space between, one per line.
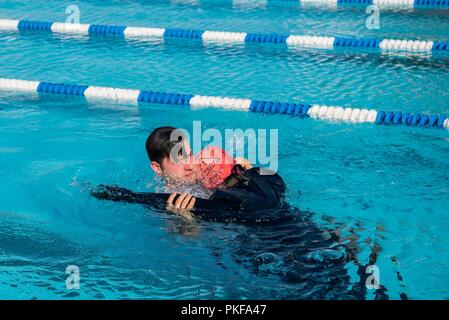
pixel 278 241
pixel 246 196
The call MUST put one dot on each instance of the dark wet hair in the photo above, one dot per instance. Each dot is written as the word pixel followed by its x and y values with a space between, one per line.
pixel 158 144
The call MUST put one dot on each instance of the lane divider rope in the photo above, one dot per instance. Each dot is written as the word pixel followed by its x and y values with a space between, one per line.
pixel 304 41
pixel 396 5
pixel 382 4
pixel 330 113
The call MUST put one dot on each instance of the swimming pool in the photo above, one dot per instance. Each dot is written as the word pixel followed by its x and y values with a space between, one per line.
pixel 378 184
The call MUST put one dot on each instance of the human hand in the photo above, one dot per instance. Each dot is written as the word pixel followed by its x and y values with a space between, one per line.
pixel 182 206
pixel 243 162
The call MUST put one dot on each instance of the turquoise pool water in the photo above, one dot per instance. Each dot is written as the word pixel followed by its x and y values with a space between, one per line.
pixel 384 185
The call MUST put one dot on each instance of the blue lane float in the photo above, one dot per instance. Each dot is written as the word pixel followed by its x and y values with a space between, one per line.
pixel 399 46
pixel 329 113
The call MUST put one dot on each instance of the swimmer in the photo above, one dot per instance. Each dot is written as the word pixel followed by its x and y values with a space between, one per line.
pixel 278 240
pixel 171 158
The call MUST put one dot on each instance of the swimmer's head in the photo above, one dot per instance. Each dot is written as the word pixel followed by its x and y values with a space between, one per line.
pixel 170 155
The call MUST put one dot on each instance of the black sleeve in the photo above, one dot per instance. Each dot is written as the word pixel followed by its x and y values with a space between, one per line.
pixel 253 200
pixel 156 200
